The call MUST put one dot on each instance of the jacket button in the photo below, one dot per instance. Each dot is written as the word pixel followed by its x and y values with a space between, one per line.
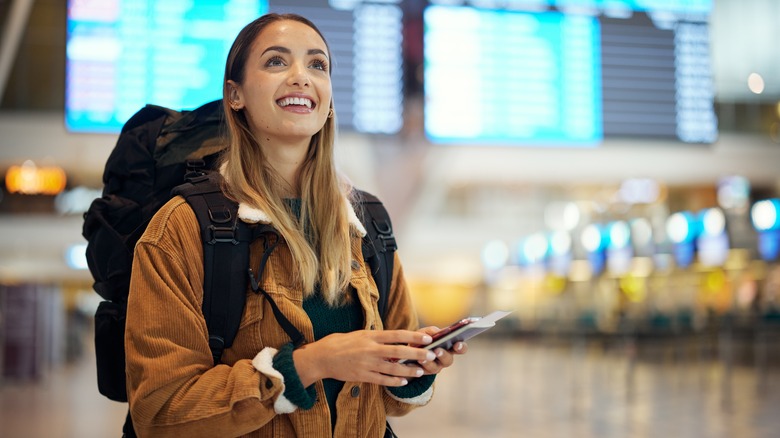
pixel 373 326
pixel 355 265
pixel 269 384
pixel 355 391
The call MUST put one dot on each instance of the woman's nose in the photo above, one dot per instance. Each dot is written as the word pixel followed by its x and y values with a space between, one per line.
pixel 299 75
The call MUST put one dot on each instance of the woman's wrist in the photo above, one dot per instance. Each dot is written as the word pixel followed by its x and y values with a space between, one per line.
pixel 304 359
pixel 295 392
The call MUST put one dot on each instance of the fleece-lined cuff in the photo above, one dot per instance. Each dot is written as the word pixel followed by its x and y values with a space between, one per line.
pixel 263 362
pixel 417 392
pixel 294 391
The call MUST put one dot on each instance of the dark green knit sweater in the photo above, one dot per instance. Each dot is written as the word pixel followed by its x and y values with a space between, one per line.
pixel 325 321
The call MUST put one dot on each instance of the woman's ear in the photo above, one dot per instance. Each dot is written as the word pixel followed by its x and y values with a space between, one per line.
pixel 234 96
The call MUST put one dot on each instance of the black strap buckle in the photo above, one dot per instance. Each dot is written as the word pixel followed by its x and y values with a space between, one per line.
pixel 196 170
pixel 221 234
pixel 216 233
pixel 385 234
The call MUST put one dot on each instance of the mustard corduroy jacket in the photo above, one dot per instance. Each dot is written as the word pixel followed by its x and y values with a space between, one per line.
pixel 173 387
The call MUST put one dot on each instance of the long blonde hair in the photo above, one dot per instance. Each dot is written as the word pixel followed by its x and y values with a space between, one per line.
pixel 320 239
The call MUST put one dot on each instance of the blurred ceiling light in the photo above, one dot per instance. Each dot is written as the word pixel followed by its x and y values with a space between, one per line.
pixel 713 222
pixel 639 191
pixel 561 216
pixel 495 254
pixel 756 83
pixel 591 238
pixel 619 235
pixel 679 227
pixel 535 248
pixel 571 216
pixel 560 243
pixel 29 179
pixel 733 192
pixel 76 256
pixel 76 200
pixel 764 214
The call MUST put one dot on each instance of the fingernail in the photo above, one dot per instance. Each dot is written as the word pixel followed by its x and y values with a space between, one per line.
pixel 430 356
pixel 427 339
pixel 419 372
pixel 404 382
pixel 439 352
pixel 459 346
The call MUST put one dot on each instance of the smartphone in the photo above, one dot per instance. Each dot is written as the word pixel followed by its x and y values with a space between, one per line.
pixel 461 331
pixel 449 329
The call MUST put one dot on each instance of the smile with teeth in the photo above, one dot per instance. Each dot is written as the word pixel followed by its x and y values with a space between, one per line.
pixel 300 101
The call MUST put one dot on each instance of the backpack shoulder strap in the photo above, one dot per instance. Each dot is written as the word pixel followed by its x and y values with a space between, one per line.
pixel 379 245
pixel 226 242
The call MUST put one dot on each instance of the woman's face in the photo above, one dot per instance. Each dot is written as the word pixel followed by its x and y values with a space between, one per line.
pixel 286 92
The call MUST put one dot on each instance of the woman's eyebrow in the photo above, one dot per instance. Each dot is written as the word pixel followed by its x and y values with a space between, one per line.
pixel 317 52
pixel 276 49
pixel 283 49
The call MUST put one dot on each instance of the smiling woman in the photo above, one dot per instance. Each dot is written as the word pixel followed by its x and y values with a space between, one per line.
pixel 279 167
pixel 284 61
pixel 284 90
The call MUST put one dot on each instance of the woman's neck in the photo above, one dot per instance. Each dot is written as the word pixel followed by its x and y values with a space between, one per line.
pixel 287 159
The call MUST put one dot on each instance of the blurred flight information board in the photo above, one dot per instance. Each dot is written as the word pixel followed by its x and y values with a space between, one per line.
pixel 123 54
pixel 568 73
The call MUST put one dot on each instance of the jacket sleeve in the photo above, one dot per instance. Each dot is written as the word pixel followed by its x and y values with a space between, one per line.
pixel 173 387
pixel 401 314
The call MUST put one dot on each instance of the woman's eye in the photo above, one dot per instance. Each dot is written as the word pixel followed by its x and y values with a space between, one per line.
pixel 274 62
pixel 320 65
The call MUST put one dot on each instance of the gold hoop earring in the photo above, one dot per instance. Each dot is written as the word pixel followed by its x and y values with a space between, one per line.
pixel 330 113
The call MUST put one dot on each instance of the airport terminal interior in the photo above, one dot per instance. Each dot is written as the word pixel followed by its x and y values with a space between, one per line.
pixel 605 170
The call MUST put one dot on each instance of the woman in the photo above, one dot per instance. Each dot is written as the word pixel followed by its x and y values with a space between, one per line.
pixel 279 167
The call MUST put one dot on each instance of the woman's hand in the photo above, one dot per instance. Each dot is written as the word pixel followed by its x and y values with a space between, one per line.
pixel 444 358
pixel 368 356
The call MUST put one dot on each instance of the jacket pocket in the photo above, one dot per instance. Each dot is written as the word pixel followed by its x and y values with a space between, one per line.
pixel 253 309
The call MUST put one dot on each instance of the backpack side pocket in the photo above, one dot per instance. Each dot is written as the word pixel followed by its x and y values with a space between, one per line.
pixel 110 350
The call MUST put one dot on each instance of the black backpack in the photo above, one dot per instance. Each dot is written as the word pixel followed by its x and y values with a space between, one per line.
pixel 160 153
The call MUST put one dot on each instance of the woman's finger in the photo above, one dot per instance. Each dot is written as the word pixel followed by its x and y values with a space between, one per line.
pixel 460 348
pixel 401 337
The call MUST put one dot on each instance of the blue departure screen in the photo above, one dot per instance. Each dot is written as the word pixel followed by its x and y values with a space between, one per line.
pixel 500 76
pixel 567 72
pixel 122 55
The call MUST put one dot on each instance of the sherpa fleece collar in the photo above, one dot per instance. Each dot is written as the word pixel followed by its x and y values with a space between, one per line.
pixel 254 215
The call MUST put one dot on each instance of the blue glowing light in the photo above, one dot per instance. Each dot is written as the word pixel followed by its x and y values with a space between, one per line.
pixel 682 227
pixel 764 214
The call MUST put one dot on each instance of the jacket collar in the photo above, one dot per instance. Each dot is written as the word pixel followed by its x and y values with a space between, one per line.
pixel 255 215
